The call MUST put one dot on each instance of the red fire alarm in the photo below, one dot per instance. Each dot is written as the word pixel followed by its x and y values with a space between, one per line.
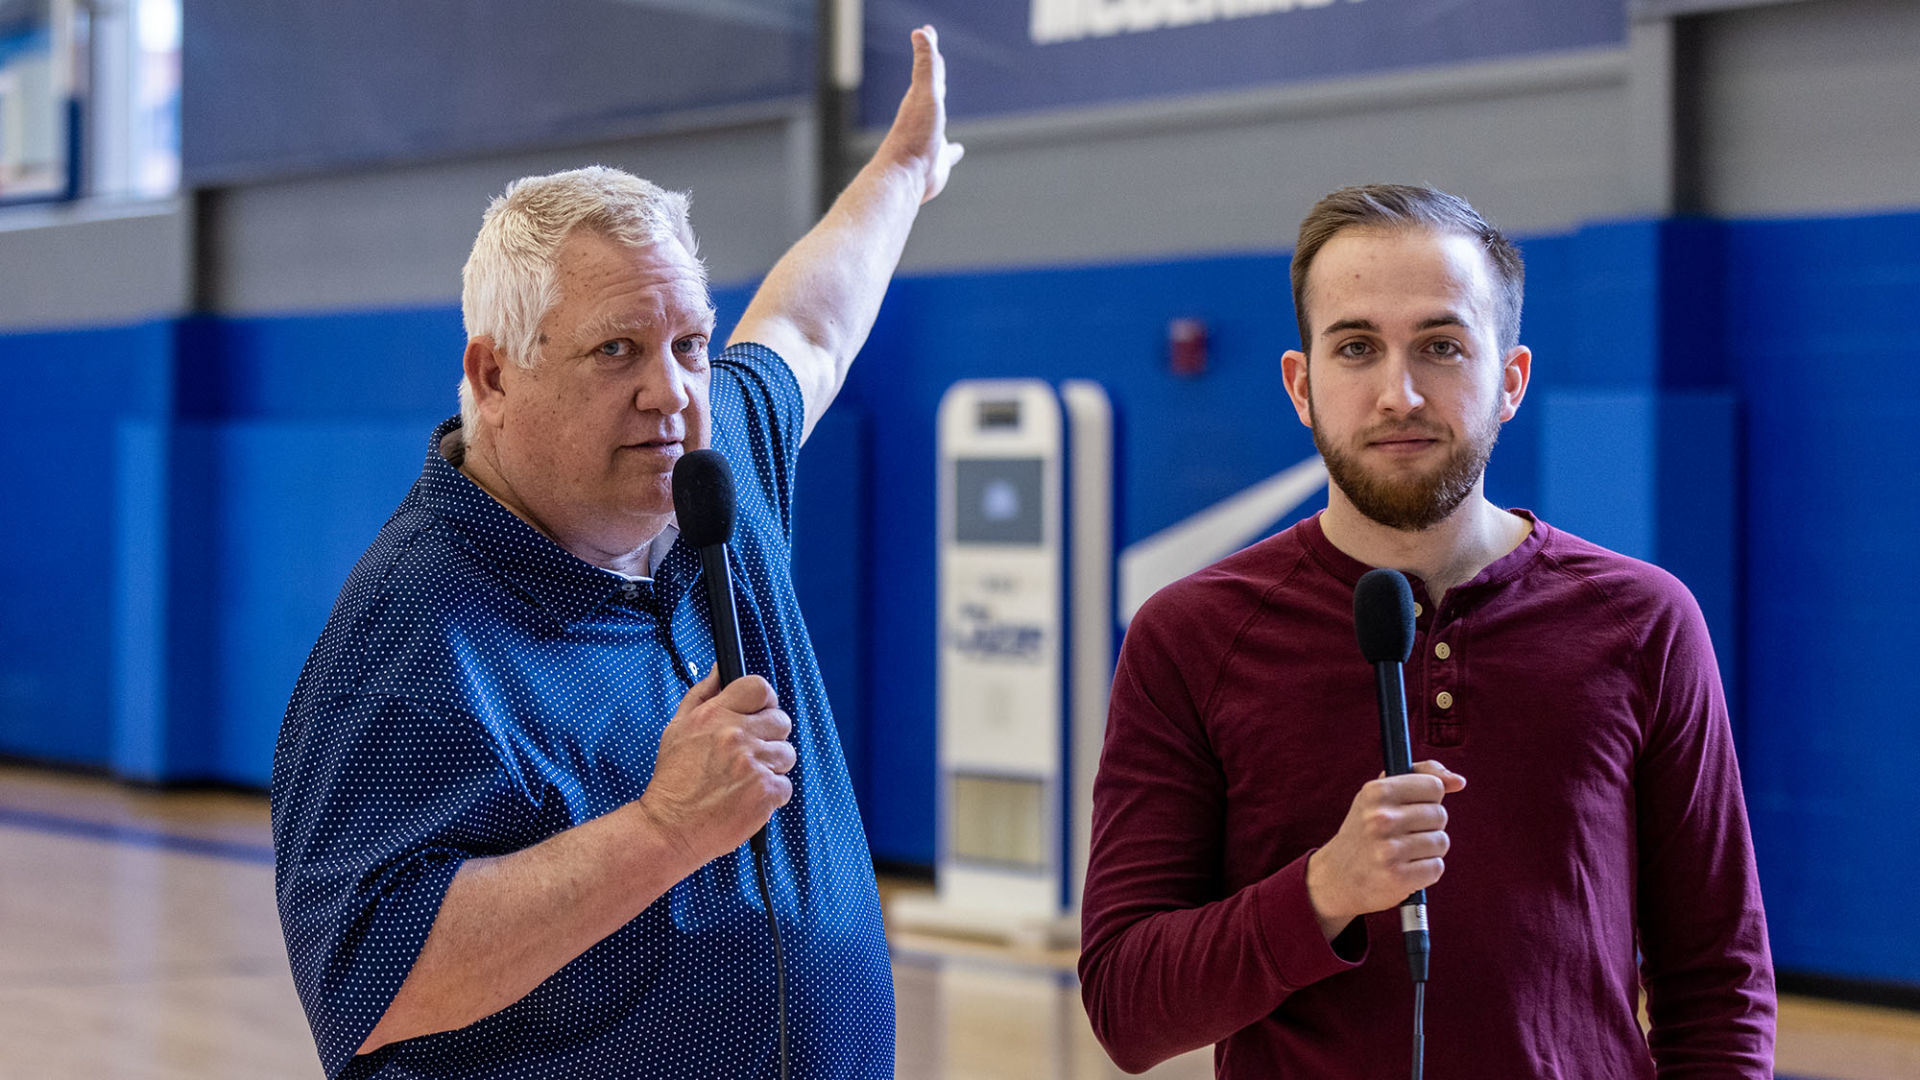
pixel 1187 346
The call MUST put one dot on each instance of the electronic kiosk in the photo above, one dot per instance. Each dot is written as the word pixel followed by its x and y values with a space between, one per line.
pixel 1026 639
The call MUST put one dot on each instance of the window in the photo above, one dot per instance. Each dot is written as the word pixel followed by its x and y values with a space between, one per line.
pixel 89 99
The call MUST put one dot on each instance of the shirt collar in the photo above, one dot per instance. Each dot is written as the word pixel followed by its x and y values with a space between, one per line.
pixel 562 584
pixel 1349 569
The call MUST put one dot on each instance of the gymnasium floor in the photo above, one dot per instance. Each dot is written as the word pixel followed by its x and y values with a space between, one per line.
pixel 138 940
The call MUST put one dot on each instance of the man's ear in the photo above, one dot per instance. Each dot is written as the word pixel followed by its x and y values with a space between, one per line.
pixel 484 366
pixel 1293 368
pixel 1514 375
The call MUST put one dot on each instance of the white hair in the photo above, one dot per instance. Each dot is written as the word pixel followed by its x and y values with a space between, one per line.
pixel 509 283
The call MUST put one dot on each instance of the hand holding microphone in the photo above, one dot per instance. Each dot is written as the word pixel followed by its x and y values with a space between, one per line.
pixel 1393 843
pixel 722 766
pixel 724 757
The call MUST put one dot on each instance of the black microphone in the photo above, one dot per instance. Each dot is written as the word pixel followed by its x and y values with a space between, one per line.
pixel 1383 621
pixel 703 503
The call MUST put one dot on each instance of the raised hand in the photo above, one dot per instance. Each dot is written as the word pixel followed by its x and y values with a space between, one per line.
pixel 918 138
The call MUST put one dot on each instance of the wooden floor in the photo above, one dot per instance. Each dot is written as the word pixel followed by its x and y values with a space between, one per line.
pixel 138 940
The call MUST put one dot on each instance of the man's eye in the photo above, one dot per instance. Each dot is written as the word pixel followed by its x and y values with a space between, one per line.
pixel 1444 347
pixel 691 346
pixel 1354 348
pixel 618 349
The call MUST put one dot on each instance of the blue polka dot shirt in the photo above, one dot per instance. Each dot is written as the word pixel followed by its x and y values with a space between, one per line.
pixel 479 689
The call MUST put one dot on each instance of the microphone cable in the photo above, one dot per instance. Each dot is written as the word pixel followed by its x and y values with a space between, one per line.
pixel 1413 934
pixel 759 846
pixel 1419 1029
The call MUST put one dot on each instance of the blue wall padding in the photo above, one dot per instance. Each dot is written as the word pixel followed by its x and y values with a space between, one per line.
pixel 1730 399
pixel 297 504
pixel 67 392
pixel 1598 458
pixel 399 363
pixel 1698 518
pixel 138 720
pixel 1819 325
pixel 830 559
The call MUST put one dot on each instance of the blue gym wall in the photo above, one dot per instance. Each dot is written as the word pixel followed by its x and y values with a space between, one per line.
pixel 189 494
pixel 1721 393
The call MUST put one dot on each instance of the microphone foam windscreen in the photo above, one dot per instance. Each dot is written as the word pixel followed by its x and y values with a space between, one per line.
pixel 1383 616
pixel 703 498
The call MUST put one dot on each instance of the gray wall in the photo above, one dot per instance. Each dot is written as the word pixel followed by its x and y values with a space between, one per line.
pixel 1807 108
pixel 399 237
pixel 1539 144
pixel 1787 108
pixel 92 265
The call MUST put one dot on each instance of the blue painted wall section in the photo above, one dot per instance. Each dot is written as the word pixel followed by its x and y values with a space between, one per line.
pixel 1728 399
pixel 1818 328
pixel 68 395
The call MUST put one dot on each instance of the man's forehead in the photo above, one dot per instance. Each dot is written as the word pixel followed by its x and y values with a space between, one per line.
pixel 1430 277
pixel 613 288
pixel 635 323
pixel 1402 244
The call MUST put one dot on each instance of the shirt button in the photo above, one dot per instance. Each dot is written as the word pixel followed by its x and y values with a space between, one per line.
pixel 1443 699
pixel 1418 610
pixel 1442 650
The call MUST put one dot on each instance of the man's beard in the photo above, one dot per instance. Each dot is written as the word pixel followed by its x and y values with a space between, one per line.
pixel 1416 503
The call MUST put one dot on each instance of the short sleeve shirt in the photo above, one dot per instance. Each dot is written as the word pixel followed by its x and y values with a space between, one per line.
pixel 479 689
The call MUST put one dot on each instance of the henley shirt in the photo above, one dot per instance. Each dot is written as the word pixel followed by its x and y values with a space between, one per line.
pixel 479 689
pixel 1602 820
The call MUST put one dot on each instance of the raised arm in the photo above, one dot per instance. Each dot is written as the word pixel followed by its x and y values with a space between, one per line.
pixel 819 301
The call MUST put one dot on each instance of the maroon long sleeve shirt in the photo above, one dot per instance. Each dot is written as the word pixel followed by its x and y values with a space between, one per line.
pixel 1576 691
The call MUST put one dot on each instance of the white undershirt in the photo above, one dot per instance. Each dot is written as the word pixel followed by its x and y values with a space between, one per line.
pixel 656 552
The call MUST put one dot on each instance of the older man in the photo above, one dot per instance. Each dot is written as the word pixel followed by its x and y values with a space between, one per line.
pixel 1246 861
pixel 509 812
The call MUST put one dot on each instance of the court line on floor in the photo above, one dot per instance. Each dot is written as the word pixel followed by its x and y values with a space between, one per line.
pixel 135 836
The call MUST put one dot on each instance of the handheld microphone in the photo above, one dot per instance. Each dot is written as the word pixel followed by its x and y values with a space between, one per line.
pixel 1383 621
pixel 703 504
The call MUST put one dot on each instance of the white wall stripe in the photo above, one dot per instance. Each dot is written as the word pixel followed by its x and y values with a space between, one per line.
pixel 1213 533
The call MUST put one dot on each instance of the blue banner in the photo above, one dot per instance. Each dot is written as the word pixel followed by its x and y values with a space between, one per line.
pixel 318 85
pixel 1014 56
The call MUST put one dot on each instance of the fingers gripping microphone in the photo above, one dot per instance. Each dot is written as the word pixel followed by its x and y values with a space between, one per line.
pixel 703 504
pixel 1383 621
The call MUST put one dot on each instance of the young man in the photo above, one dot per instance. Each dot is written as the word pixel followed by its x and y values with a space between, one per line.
pixel 509 811
pixel 1247 861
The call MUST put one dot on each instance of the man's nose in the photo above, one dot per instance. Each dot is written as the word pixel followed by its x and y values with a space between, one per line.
pixel 1398 392
pixel 663 388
